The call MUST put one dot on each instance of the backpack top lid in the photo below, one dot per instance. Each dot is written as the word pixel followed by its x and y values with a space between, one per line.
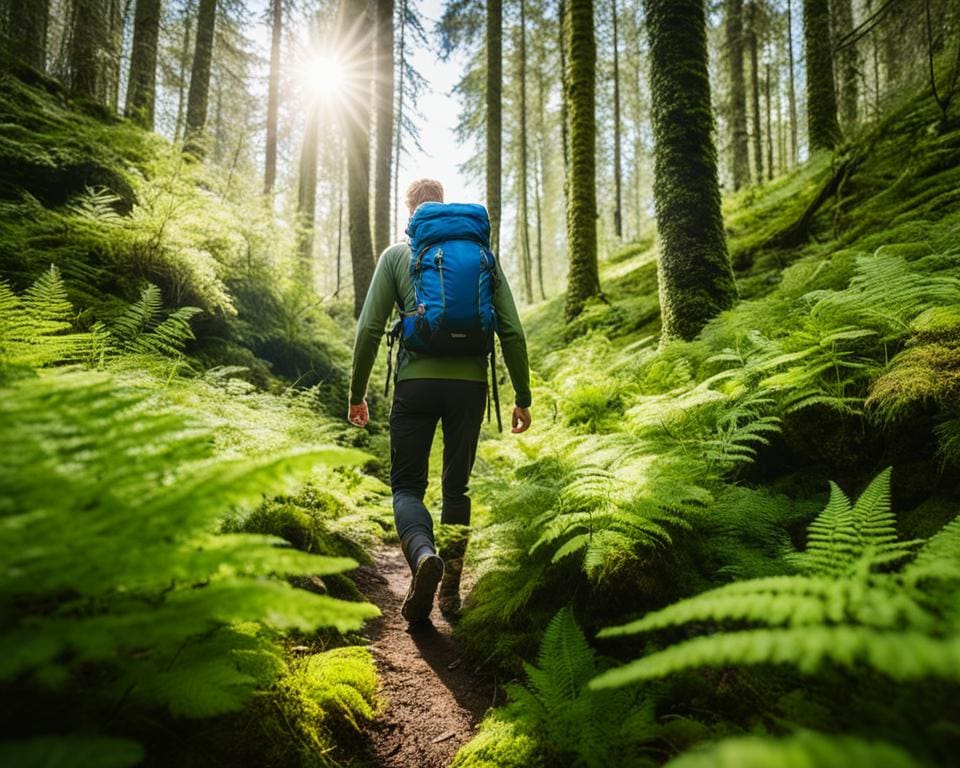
pixel 434 223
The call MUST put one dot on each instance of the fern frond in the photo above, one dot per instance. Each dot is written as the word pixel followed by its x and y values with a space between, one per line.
pixel 800 750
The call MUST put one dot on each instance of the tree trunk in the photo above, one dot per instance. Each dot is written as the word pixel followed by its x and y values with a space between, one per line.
pixel 769 108
pixel 119 13
pixel 847 63
pixel 617 171
pixel 357 135
pixel 382 236
pixel 740 170
pixel 822 126
pixel 753 44
pixel 307 192
pixel 564 123
pixel 523 181
pixel 791 89
pixel 27 29
pixel 580 95
pixel 87 47
pixel 402 63
pixel 538 178
pixel 494 119
pixel 694 273
pixel 199 93
pixel 184 66
pixel 273 98
pixel 142 83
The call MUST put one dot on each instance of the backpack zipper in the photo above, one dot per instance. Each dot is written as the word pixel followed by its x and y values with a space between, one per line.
pixel 438 260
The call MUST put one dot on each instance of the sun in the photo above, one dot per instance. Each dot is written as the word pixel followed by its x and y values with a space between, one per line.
pixel 323 75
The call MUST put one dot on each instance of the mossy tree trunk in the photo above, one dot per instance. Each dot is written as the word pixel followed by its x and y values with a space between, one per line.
pixel 694 273
pixel 740 170
pixel 356 122
pixel 27 30
pixel 583 280
pixel 384 90
pixel 768 108
pixel 87 49
pixel 199 94
pixel 183 67
pixel 847 61
pixel 753 44
pixel 822 126
pixel 494 45
pixel 273 97
pixel 398 144
pixel 142 83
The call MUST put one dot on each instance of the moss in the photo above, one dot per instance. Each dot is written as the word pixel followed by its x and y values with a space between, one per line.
pixel 924 375
pixel 500 744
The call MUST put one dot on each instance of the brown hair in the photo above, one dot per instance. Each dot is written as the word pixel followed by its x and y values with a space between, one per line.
pixel 424 191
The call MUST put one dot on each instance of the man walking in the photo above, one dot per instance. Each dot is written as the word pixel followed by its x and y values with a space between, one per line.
pixel 433 387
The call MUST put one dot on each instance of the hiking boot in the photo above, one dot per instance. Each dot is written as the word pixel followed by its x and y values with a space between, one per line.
pixel 449 600
pixel 419 600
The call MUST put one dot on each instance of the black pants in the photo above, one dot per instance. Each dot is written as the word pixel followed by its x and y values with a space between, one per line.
pixel 418 404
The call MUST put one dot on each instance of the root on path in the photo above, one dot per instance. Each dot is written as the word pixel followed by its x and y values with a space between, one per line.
pixel 434 699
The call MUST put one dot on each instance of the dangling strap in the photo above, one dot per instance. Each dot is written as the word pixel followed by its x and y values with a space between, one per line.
pixel 495 389
pixel 392 337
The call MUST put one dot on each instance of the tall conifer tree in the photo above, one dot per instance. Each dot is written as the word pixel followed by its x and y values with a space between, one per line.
pixel 580 97
pixel 273 96
pixel 199 95
pixel 142 83
pixel 494 45
pixel 696 281
pixel 384 117
pixel 740 170
pixel 822 125
pixel 28 21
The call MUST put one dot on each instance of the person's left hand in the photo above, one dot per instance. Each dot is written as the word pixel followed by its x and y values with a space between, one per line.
pixel 359 414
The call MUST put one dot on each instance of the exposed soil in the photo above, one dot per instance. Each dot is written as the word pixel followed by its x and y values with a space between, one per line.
pixel 434 698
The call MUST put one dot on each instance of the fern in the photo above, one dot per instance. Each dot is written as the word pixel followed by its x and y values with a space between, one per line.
pixel 140 329
pixel 35 329
pixel 570 720
pixel 800 750
pixel 842 611
pixel 97 205
pixel 111 562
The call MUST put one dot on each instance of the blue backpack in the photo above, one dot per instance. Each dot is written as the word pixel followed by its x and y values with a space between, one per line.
pixel 454 277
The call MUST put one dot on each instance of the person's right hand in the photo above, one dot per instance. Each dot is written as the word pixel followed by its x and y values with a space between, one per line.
pixel 521 420
pixel 359 415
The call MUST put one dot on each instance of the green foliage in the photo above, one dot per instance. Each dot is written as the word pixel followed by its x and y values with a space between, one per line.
pixel 568 722
pixel 800 750
pixel 110 506
pixel 842 611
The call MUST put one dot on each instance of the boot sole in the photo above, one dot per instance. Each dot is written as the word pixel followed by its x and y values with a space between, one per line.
pixel 419 600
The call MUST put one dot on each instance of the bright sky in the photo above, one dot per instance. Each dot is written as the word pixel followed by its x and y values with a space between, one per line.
pixel 442 155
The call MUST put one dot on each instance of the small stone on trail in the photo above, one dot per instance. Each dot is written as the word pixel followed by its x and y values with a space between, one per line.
pixel 454 664
pixel 444 737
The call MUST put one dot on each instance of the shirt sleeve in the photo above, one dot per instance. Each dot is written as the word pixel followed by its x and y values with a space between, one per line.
pixel 381 298
pixel 512 341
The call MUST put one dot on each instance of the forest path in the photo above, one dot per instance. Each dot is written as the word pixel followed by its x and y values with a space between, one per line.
pixel 433 699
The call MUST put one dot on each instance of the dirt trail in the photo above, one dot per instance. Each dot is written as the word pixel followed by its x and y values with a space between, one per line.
pixel 434 698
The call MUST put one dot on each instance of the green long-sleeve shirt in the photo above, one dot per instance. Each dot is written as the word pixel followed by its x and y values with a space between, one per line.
pixel 393 285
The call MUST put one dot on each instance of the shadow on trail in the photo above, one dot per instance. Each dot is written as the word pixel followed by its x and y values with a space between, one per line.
pixel 434 699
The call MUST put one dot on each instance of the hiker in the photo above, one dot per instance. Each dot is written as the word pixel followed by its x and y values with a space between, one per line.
pixel 441 375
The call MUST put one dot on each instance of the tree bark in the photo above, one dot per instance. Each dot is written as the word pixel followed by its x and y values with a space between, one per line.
pixel 382 235
pixel 617 170
pixel 523 181
pixel 847 63
pixel 584 278
pixel 87 46
pixel 142 83
pixel 791 89
pixel 273 97
pixel 822 125
pixel 696 281
pixel 564 122
pixel 753 44
pixel 307 192
pixel 357 136
pixel 769 109
pixel 199 94
pixel 402 63
pixel 27 29
pixel 740 170
pixel 494 116
pixel 184 65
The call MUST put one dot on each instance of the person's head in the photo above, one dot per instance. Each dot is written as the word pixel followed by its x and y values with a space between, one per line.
pixel 423 191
